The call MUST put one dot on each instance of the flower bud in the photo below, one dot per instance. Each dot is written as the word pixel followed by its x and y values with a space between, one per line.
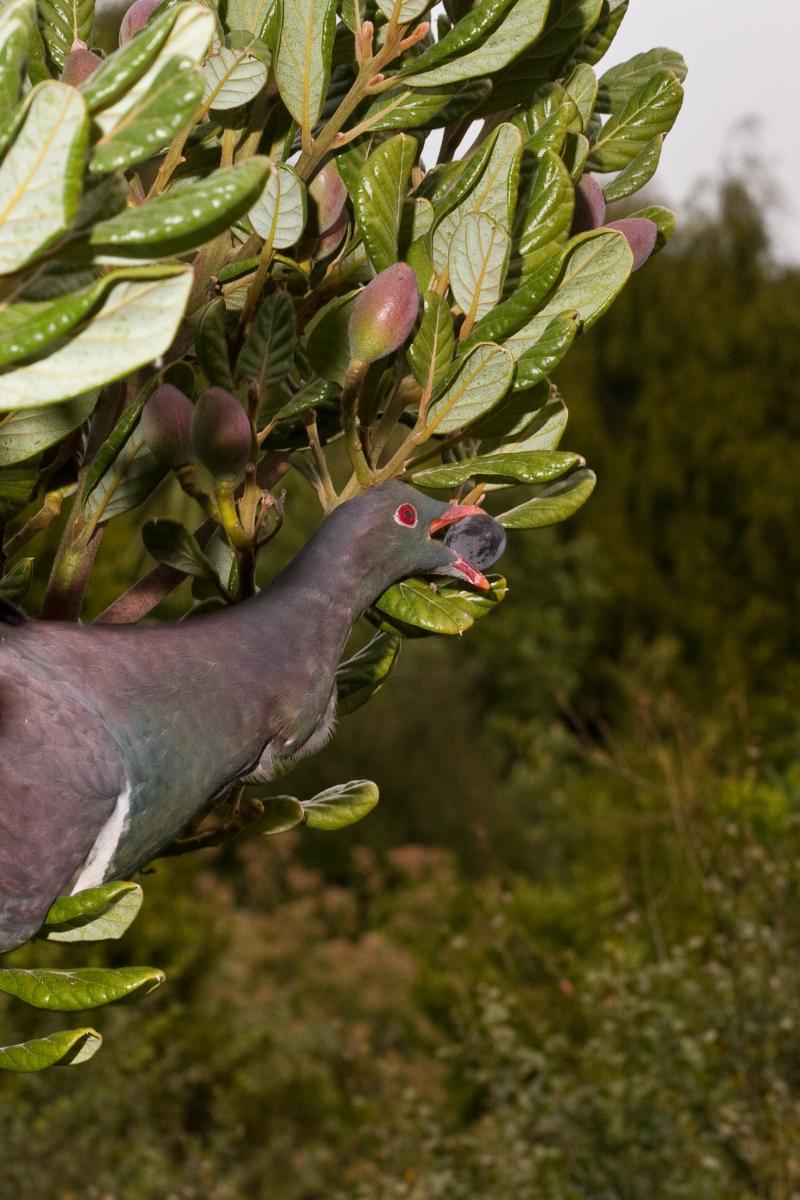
pixel 330 242
pixel 384 314
pixel 166 426
pixel 136 18
pixel 221 434
pixel 328 195
pixel 590 205
pixel 79 64
pixel 641 233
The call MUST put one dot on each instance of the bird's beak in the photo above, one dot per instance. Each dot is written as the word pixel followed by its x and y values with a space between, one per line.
pixel 457 512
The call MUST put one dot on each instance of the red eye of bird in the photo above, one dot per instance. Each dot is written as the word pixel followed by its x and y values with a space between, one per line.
pixel 406 515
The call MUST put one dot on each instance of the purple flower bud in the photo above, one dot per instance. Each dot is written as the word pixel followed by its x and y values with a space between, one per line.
pixel 221 433
pixel 330 242
pixel 328 195
pixel 79 64
pixel 590 205
pixel 166 426
pixel 384 314
pixel 641 233
pixel 136 18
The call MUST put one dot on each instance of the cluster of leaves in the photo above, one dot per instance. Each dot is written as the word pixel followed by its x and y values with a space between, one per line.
pixel 213 208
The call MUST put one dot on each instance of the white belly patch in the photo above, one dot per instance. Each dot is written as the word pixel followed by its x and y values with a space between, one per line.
pixel 101 855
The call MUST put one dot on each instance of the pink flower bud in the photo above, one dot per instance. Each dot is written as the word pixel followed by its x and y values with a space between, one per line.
pixel 221 433
pixel 79 64
pixel 166 426
pixel 590 205
pixel 136 18
pixel 384 314
pixel 641 233
pixel 328 195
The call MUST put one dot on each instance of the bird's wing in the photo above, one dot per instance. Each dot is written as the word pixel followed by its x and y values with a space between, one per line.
pixel 60 776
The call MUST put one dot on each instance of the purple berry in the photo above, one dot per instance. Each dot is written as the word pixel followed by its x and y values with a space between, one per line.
pixel 166 426
pixel 79 64
pixel 136 18
pixel 641 233
pixel 590 205
pixel 221 433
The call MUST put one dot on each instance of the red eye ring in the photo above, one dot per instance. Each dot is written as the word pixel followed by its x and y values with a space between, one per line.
pixel 406 515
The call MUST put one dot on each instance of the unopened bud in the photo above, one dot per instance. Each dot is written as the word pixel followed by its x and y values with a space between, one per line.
pixel 384 314
pixel 641 234
pixel 79 64
pixel 166 426
pixel 330 242
pixel 221 433
pixel 328 195
pixel 590 205
pixel 136 18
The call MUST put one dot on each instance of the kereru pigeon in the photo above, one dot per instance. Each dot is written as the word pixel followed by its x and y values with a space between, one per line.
pixel 112 738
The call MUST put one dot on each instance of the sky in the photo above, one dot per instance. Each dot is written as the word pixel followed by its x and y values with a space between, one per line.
pixel 742 61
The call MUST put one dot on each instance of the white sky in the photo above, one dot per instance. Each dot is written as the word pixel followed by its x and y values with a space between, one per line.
pixel 743 62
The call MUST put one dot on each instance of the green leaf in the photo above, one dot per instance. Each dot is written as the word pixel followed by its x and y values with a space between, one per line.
pixel 281 813
pixel 114 442
pixel 267 355
pixel 512 314
pixel 232 78
pixel 415 607
pixel 80 988
pixel 128 479
pixel 182 220
pixel 327 338
pixel 581 88
pixel 477 265
pixel 17 19
pixel 15 583
pixel 16 488
pixel 596 43
pixel 338 807
pixel 360 677
pixel 553 504
pixel 482 379
pixel 170 543
pixel 378 202
pixel 64 22
pixel 542 358
pixel 117 74
pixel 39 191
pixel 431 351
pixel 279 214
pixel 650 111
pixel 521 26
pixel 136 323
pixel 662 218
pixel 67 1048
pixel 153 122
pixel 619 83
pixel 211 345
pixel 303 62
pixel 94 915
pixel 473 27
pixel 638 172
pixel 403 10
pixel 546 219
pixel 311 396
pixel 248 14
pixel 595 271
pixel 532 466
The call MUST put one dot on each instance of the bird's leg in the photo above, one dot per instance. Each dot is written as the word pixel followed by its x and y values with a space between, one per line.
pixel 243 813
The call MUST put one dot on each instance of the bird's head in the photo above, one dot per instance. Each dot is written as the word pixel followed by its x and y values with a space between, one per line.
pixel 399 531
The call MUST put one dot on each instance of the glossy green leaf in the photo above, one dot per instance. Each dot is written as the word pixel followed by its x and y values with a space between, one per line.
pixel 575 153
pixel 553 504
pixel 546 219
pixel 126 423
pixel 80 988
pixel 15 583
pixel 467 33
pixel 17 18
pixel 16 489
pixel 378 202
pixel 182 220
pixel 338 807
pixel 477 264
pixel 532 466
pixel 638 172
pixel 170 543
pixel 543 432
pixel 69 1047
pixel 311 396
pixel 136 323
pixel 519 28
pixel 423 109
pixel 149 125
pixel 568 21
pixel 482 379
pixel 267 356
pixel 211 345
pixel 279 214
pixel 596 43
pixel 414 606
pixel 513 313
pixel 232 78
pixel 542 358
pixel 117 74
pixel 303 62
pixel 650 111
pixel 95 915
pixel 593 275
pixel 39 191
pixel 327 338
pixel 360 677
pixel 64 22
pixel 281 813
pixel 662 218
pixel 133 476
pixel 431 351
pixel 619 83
pixel 581 87
pixel 552 133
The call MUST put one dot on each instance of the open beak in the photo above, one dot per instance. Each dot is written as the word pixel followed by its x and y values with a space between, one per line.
pixel 457 512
